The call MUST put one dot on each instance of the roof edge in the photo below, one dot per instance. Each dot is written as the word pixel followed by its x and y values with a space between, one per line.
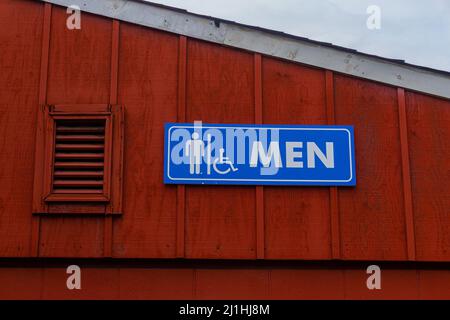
pixel 270 43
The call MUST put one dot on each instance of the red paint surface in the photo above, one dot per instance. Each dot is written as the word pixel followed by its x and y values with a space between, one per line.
pixel 222 283
pixel 429 145
pixel 220 221
pixel 400 145
pixel 297 219
pixel 372 218
pixel 148 64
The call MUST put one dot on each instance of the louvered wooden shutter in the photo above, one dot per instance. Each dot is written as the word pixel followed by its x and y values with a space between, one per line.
pixel 79 159
pixel 79 156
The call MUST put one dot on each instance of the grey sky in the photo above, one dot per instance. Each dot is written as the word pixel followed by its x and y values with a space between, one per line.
pixel 417 31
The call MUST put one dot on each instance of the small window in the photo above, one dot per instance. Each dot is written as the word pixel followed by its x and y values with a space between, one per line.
pixel 82 158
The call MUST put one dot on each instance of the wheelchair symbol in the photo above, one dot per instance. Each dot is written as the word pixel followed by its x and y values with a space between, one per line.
pixel 221 160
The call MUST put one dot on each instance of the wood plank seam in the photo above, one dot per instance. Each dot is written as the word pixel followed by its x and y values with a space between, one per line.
pixel 259 205
pixel 406 174
pixel 43 79
pixel 115 34
pixel 334 206
pixel 181 116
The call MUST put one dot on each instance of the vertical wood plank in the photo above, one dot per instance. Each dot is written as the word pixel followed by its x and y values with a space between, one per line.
pixel 38 205
pixel 297 219
pixel 220 220
pixel 118 116
pixel 80 60
pixel 372 218
pixel 21 26
pixel 258 89
pixel 108 224
pixel 334 206
pixel 406 174
pixel 79 72
pixel 428 128
pixel 148 67
pixel 181 191
pixel 259 205
pixel 115 38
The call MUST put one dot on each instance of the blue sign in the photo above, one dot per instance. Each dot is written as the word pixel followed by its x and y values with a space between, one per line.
pixel 197 153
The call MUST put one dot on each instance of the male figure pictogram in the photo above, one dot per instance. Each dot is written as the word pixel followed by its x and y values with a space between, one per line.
pixel 195 149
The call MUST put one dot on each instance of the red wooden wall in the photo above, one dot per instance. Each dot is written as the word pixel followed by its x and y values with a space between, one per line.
pixel 399 209
pixel 222 283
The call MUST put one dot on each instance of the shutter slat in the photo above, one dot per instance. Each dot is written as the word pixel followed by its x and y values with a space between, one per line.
pixel 78 174
pixel 79 138
pixel 83 191
pixel 61 146
pixel 79 156
pixel 60 155
pixel 78 164
pixel 77 183
pixel 62 129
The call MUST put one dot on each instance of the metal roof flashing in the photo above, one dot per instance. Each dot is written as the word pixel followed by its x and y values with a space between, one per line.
pixel 270 43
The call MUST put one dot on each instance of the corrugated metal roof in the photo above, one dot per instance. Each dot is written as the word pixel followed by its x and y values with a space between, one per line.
pixel 269 42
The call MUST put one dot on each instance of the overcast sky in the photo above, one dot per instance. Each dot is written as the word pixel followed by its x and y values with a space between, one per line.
pixel 417 31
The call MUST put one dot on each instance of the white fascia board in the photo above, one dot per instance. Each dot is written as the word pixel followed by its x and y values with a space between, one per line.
pixel 267 43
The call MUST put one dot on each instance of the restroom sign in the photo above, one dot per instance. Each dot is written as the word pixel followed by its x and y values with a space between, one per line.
pixel 236 154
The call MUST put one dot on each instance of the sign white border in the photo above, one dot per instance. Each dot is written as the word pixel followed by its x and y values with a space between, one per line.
pixel 256 180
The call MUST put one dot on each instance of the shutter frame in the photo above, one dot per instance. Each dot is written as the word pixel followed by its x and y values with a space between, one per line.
pixel 54 195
